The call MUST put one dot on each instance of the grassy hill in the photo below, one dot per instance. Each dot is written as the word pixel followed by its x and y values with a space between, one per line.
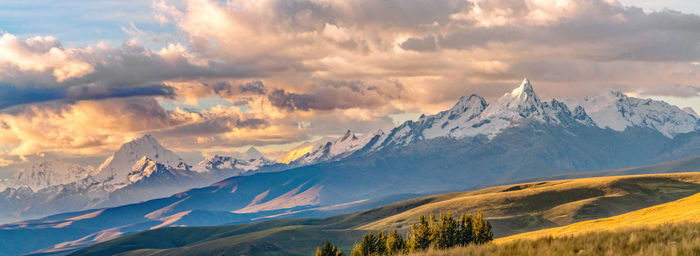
pixel 679 211
pixel 667 229
pixel 673 239
pixel 512 209
pixel 526 207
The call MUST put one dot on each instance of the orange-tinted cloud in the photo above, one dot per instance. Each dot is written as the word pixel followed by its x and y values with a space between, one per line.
pixel 292 70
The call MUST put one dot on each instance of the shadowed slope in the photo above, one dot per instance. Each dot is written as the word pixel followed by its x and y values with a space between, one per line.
pixel 511 209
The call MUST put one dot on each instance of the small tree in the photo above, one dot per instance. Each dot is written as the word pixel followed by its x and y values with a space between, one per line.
pixel 328 249
pixel 445 232
pixel 421 235
pixel 466 230
pixel 395 244
pixel 371 244
pixel 482 229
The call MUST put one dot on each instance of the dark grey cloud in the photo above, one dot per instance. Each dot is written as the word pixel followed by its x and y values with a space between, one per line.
pixel 425 44
pixel 11 95
pixel 329 95
pixel 213 125
pixel 256 87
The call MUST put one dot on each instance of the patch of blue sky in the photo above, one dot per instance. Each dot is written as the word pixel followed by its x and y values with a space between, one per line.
pixel 80 23
pixel 205 103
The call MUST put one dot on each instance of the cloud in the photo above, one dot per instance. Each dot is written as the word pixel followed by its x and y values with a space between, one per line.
pixel 41 54
pixel 88 127
pixel 39 69
pixel 336 95
pixel 11 95
pixel 290 70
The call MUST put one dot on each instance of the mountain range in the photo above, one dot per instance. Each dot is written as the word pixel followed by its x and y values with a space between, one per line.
pixel 473 144
pixel 140 170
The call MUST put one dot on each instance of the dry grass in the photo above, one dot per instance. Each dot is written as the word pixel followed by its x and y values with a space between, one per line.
pixel 683 210
pixel 526 207
pixel 672 239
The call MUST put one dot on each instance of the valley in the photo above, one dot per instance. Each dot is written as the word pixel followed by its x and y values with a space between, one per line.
pixel 512 209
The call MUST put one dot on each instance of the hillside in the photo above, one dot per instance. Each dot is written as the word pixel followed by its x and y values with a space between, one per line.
pixel 679 211
pixel 648 231
pixel 512 209
pixel 673 239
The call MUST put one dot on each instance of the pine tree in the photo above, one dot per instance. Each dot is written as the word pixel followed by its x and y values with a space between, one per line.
pixel 421 235
pixel 371 244
pixel 466 230
pixel 445 232
pixel 395 243
pixel 482 229
pixel 328 249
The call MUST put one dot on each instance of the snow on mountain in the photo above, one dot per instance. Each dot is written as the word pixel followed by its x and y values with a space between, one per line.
pixel 617 111
pixel 472 116
pixel 337 149
pixel 237 165
pixel 46 174
pixel 143 168
pixel 690 111
pixel 115 170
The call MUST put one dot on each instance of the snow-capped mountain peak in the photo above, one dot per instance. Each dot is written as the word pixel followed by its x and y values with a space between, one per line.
pixel 143 168
pixel 524 93
pixel 521 102
pixel 336 149
pixel 467 107
pixel 348 136
pixel 471 116
pixel 617 111
pixel 118 166
pixel 237 166
pixel 48 173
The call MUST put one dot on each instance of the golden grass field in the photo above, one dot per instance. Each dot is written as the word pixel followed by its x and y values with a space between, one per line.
pixel 667 229
pixel 520 208
pixel 680 211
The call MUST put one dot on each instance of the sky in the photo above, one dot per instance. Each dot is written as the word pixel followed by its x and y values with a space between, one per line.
pixel 80 78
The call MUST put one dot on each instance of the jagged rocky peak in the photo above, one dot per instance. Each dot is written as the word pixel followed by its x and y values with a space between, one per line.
pixel 336 149
pixel 521 102
pixel 348 135
pixel 524 93
pixel 617 111
pixel 143 168
pixel 472 116
pixel 116 168
pixel 471 105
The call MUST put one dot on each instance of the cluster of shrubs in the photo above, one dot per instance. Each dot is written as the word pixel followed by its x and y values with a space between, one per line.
pixel 430 232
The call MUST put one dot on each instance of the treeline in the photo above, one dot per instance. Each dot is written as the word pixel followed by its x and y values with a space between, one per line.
pixel 441 233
